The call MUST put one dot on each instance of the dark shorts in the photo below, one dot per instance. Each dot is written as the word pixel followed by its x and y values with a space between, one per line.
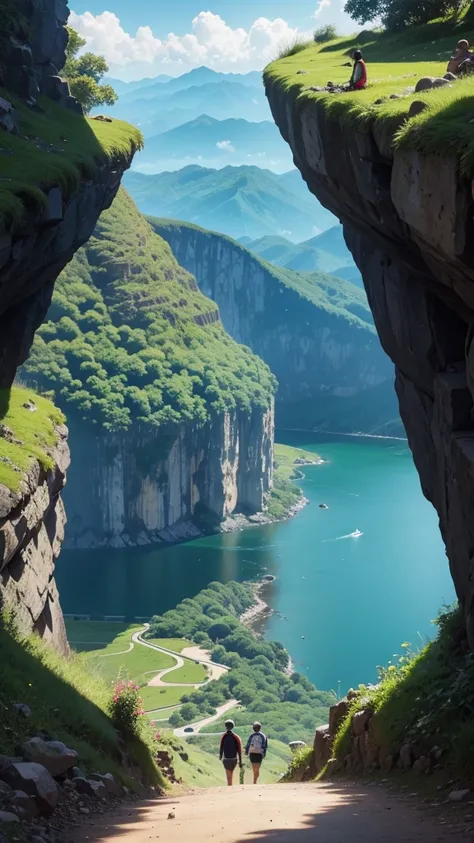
pixel 229 763
pixel 255 758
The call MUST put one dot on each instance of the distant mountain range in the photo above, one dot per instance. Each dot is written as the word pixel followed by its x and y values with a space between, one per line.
pixel 212 142
pixel 157 105
pixel 238 201
pixel 327 252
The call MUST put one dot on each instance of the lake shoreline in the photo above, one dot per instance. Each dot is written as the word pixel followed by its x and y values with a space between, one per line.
pixel 258 613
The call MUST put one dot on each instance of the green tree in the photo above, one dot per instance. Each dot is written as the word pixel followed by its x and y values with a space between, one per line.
pixel 84 74
pixel 397 14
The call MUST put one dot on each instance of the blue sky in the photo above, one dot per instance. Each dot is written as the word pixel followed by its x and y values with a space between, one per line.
pixel 166 16
pixel 146 37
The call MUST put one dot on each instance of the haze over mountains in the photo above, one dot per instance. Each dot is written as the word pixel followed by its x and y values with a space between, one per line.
pixel 214 157
pixel 238 201
pixel 219 118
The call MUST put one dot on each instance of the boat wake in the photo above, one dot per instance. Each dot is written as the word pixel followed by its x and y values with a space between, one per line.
pixel 355 535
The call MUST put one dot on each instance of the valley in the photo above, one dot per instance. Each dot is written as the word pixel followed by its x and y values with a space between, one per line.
pixel 236 415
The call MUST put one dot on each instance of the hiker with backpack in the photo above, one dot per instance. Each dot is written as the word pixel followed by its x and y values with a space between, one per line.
pixel 256 749
pixel 230 751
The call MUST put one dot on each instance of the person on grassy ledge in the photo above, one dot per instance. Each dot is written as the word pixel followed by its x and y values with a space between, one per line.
pixel 359 74
pixel 230 751
pixel 461 58
pixel 256 749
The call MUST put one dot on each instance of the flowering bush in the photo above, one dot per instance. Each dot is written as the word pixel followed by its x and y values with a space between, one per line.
pixel 126 707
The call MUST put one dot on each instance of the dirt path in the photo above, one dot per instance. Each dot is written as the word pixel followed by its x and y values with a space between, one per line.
pixel 214 671
pixel 299 813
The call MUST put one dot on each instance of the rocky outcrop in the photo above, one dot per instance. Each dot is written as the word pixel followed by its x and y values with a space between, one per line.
pixel 408 220
pixel 31 533
pixel 32 259
pixel 314 352
pixel 33 43
pixel 145 487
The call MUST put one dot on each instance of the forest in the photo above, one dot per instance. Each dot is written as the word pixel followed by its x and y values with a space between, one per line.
pixel 261 677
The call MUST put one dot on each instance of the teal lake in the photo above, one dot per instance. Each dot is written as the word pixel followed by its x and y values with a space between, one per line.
pixel 343 605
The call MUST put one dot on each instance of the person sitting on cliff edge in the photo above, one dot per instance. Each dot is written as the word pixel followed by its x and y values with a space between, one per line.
pixel 359 74
pixel 460 56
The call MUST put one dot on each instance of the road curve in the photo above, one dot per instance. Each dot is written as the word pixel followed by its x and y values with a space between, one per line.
pixel 223 709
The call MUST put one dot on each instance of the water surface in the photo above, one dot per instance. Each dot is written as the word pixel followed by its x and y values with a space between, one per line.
pixel 344 605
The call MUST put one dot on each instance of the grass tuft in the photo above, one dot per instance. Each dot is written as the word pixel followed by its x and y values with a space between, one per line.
pixel 293 48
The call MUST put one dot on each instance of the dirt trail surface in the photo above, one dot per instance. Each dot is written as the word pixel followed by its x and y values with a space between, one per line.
pixel 331 813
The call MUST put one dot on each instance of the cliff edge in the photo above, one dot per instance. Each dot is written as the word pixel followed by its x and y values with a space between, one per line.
pixel 58 172
pixel 402 187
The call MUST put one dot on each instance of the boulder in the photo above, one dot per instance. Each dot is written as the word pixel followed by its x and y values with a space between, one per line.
pixel 22 709
pixel 54 755
pixel 322 747
pixel 421 765
pixel 406 758
pixel 90 787
pixel 459 795
pixel 112 787
pixel 8 817
pixel 424 84
pixel 4 789
pixel 337 713
pixel 417 107
pixel 35 780
pixel 440 82
pixel 360 721
pixel 21 804
pixel 451 77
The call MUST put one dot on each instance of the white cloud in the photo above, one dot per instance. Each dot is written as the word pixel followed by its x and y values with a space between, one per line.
pixel 225 145
pixel 211 42
pixel 322 5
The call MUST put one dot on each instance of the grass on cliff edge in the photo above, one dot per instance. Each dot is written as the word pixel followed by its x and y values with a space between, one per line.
pixel 426 699
pixel 34 434
pixel 54 147
pixel 395 63
pixel 285 492
pixel 69 703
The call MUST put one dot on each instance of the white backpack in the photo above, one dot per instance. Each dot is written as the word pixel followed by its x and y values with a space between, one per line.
pixel 256 744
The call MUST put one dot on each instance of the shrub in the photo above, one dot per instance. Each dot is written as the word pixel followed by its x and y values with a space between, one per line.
pixel 126 707
pixel 297 46
pixel 325 33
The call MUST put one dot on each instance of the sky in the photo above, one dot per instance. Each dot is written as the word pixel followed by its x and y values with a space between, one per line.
pixel 142 38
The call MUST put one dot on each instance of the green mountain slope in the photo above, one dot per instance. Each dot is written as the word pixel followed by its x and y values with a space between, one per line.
pixel 238 201
pixel 314 330
pixel 130 337
pixel 328 293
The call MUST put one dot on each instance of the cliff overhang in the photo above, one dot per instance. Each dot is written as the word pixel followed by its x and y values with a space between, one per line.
pixel 407 213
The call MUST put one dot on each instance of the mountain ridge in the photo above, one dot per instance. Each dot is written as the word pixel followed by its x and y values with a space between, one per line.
pixel 202 195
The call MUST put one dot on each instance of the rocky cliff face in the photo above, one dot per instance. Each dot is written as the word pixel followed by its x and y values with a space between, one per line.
pixel 313 351
pixel 408 220
pixel 33 44
pixel 33 252
pixel 32 524
pixel 144 487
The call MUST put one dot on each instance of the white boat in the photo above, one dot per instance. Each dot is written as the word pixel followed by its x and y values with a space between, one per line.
pixel 356 534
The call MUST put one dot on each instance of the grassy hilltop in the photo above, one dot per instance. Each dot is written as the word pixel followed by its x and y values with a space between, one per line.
pixel 395 63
